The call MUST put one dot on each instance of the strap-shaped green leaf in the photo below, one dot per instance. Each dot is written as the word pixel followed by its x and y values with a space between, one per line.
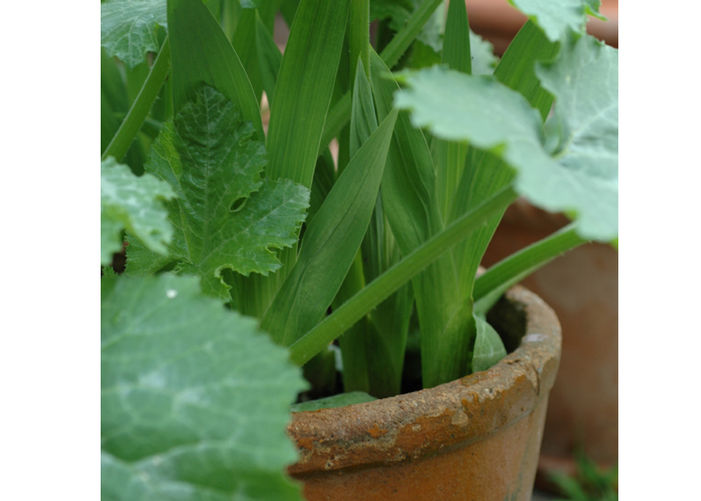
pixel 516 69
pixel 556 18
pixel 269 58
pixel 409 203
pixel 134 204
pixel 129 28
pixel 226 216
pixel 450 155
pixel 331 241
pixel 304 87
pixel 244 42
pixel 200 52
pixel 194 398
pixel 456 42
pixel 373 349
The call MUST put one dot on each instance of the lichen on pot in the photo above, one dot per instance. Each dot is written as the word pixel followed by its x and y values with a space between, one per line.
pixel 477 437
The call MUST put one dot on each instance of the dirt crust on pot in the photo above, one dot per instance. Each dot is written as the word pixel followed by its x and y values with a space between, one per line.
pixel 499 412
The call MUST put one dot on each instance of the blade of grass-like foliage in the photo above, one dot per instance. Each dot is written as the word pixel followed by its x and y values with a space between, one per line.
pixel 303 89
pixel 379 289
pixel 244 42
pixel 557 18
pixel 373 349
pixel 139 109
pixel 202 53
pixel 129 28
pixel 134 204
pixel 330 242
pixel 339 114
pixel 516 69
pixel 358 341
pixel 269 58
pixel 324 177
pixel 408 200
pixel 113 107
pixel 500 277
pixel 456 42
pixel 359 35
pixel 450 155
pixel 195 398
pixel 226 215
pixel 485 174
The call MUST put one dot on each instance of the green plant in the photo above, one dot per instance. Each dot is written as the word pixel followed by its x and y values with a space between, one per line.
pixel 376 251
pixel 590 483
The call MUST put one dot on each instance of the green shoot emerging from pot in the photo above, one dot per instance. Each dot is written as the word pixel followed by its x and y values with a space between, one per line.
pixel 343 235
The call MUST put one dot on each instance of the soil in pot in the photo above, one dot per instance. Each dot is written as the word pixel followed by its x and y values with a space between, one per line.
pixel 475 438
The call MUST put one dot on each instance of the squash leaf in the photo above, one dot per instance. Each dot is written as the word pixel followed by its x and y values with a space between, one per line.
pixel 571 168
pixel 483 59
pixel 557 18
pixel 129 28
pixel 195 398
pixel 227 215
pixel 135 204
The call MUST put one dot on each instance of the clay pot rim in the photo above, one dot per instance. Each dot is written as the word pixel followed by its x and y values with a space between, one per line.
pixel 454 414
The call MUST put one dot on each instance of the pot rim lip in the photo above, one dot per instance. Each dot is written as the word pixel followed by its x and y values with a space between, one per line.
pixel 453 414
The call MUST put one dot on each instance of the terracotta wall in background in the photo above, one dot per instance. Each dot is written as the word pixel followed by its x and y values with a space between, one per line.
pixel 582 288
pixel 498 21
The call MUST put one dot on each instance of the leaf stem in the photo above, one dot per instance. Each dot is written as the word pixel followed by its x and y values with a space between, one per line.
pixel 141 106
pixel 383 286
pixel 511 270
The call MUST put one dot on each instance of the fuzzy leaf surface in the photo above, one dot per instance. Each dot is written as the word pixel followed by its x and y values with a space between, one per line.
pixel 492 117
pixel 556 18
pixel 129 28
pixel 195 399
pixel 135 204
pixel 584 125
pixel 226 215
pixel 483 59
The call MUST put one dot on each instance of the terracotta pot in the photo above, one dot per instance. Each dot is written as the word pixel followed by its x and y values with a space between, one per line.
pixel 476 438
pixel 498 21
pixel 582 287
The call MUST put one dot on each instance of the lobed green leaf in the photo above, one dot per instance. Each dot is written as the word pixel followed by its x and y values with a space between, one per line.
pixel 134 204
pixel 194 398
pixel 129 28
pixel 226 215
pixel 557 18
pixel 557 173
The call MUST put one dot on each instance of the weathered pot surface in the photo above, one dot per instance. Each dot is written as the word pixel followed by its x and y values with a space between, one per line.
pixel 582 288
pixel 475 438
